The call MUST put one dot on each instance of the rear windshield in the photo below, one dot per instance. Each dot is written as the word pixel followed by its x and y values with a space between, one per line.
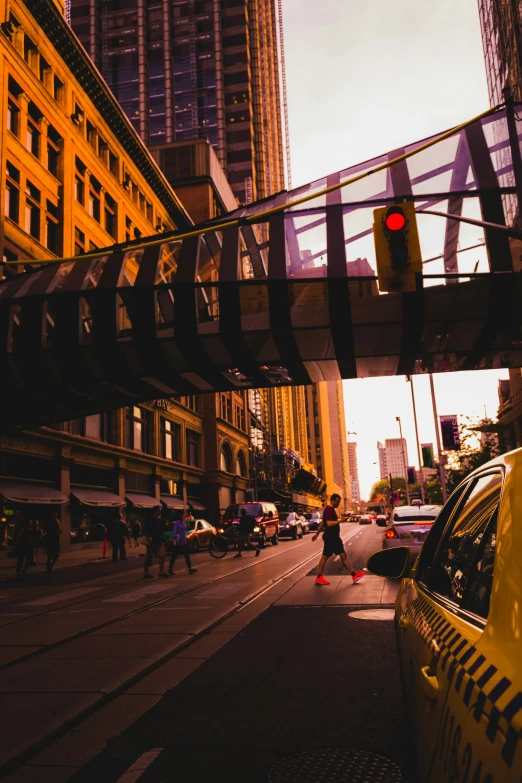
pixel 254 509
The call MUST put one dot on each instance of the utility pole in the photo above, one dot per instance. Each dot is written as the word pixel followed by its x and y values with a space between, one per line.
pixel 423 496
pixel 398 418
pixel 442 457
pixel 392 504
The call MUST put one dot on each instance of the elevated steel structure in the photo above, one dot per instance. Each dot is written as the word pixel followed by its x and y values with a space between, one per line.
pixel 147 320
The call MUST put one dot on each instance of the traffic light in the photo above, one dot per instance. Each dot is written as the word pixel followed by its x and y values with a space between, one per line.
pixel 397 246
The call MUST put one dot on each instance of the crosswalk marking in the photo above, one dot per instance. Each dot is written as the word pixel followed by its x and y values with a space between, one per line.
pixel 221 591
pixel 136 595
pixel 54 599
pixel 135 772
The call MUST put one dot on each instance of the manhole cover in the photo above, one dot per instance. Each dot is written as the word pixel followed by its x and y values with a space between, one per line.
pixel 373 614
pixel 335 765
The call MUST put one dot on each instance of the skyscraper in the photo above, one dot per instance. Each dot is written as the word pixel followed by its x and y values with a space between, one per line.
pixel 393 458
pixel 501 25
pixel 354 471
pixel 189 69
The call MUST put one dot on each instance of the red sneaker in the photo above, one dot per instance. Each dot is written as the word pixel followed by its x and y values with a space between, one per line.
pixel 320 580
pixel 358 576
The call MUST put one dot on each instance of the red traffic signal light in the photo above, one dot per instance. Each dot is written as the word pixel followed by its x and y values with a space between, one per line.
pixel 395 219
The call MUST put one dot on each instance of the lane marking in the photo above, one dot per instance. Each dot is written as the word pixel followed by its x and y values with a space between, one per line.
pixel 136 595
pixel 140 766
pixel 54 599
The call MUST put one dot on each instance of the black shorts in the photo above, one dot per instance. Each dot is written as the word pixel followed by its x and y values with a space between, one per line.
pixel 333 546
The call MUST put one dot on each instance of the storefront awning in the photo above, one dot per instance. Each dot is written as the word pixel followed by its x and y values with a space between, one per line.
pixel 101 498
pixel 171 502
pixel 32 493
pixel 142 501
pixel 197 505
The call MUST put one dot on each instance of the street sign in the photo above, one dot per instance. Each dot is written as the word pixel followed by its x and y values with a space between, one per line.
pixel 449 428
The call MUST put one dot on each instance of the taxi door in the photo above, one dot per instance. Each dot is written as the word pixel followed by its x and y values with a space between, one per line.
pixel 439 634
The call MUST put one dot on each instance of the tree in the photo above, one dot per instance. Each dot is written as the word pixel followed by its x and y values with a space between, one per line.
pixel 382 487
pixel 478 445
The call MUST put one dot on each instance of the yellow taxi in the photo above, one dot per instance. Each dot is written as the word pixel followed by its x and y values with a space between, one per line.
pixel 458 618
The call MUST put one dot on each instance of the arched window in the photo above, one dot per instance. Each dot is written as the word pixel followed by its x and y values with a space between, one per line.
pixel 241 467
pixel 225 461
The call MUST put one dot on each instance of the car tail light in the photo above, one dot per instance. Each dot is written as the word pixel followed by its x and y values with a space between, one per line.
pixel 391 533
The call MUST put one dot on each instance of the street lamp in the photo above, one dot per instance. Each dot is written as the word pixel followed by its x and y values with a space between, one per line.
pixel 405 467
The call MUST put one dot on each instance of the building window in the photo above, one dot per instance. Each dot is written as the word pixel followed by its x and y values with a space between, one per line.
pixel 32 210
pixel 135 429
pixel 239 417
pixel 59 90
pixel 92 136
pixel 12 192
pixel 79 182
pixel 241 466
pixel 53 151
pixel 225 458
pixel 193 440
pixel 114 163
pixel 44 68
pixel 13 117
pixel 170 437
pixel 79 242
pixel 226 407
pixel 111 222
pixel 51 226
pixel 33 136
pixel 93 203
pixel 30 52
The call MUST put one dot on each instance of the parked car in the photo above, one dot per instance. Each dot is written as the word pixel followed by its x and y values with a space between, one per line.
pixel 290 524
pixel 266 520
pixel 409 527
pixel 314 518
pixel 381 520
pixel 199 534
pixel 365 519
pixel 457 618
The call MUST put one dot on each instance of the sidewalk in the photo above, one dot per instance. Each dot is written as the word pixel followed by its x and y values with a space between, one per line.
pixel 83 555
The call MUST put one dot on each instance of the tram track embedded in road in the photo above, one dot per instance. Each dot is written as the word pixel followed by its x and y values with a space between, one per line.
pixel 133 612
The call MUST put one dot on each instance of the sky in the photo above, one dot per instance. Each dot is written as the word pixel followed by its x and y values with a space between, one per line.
pixel 364 78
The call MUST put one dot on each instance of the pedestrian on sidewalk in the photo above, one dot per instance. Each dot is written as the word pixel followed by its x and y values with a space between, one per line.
pixel 246 527
pixel 24 548
pixel 52 541
pixel 37 537
pixel 332 541
pixel 136 531
pixel 179 539
pixel 118 533
pixel 155 544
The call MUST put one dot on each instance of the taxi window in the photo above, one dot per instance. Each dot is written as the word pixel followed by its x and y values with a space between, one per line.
pixel 478 592
pixel 435 534
pixel 455 559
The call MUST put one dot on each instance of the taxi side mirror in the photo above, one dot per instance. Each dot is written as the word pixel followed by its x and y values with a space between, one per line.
pixel 392 563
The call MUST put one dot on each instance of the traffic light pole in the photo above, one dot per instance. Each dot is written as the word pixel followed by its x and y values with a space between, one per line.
pixel 421 476
pixel 439 449
pixel 404 461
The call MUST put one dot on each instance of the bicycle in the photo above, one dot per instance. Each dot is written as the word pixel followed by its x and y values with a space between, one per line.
pixel 219 545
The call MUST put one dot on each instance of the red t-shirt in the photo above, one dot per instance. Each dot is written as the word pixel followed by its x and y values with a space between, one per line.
pixel 330 531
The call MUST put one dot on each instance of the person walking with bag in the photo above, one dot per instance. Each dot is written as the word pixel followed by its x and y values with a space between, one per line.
pixel 181 547
pixel 52 541
pixel 118 533
pixel 155 544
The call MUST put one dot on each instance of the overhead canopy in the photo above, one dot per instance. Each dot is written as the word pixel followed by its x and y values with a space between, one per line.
pixel 142 501
pixel 98 497
pixel 32 493
pixel 303 306
pixel 197 505
pixel 174 503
